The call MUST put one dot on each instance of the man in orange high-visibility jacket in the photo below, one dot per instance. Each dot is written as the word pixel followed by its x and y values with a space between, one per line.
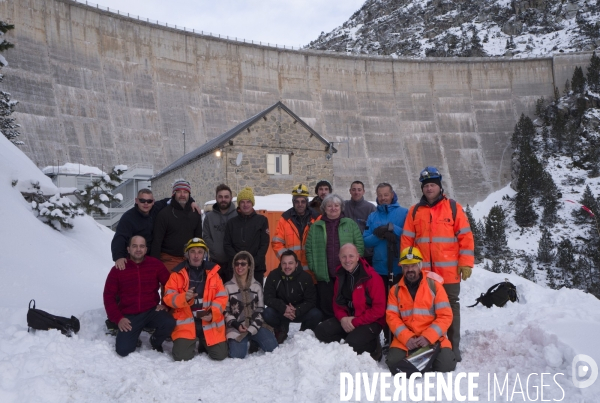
pixel 199 299
pixel 440 229
pixel 292 227
pixel 418 313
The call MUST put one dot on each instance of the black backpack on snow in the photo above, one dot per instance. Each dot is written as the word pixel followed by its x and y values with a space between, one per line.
pixel 42 320
pixel 498 294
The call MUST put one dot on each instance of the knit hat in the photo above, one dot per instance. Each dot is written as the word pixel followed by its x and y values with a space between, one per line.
pixel 323 182
pixel 182 184
pixel 300 190
pixel 246 194
pixel 437 181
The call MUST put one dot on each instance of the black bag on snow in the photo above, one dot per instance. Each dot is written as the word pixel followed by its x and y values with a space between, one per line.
pixel 42 320
pixel 498 294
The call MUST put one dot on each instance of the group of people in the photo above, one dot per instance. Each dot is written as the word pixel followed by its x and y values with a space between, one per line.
pixel 348 270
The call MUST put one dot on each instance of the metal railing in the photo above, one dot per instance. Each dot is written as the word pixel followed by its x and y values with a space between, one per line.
pixel 185 29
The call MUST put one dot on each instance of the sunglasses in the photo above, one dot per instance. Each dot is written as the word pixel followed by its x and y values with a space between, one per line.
pixel 146 201
pixel 242 264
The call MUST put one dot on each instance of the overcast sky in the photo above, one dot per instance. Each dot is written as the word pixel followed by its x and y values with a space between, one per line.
pixel 285 22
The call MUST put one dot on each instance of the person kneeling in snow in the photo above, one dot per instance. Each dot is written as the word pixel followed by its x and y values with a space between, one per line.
pixel 418 314
pixel 358 305
pixel 136 290
pixel 196 292
pixel 244 309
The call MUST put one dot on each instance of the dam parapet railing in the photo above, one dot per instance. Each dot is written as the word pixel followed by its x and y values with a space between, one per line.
pixel 300 48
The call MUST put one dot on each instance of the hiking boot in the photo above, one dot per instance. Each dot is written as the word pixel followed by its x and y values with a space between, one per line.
pixel 111 327
pixel 154 345
pixel 149 330
pixel 281 335
pixel 254 347
pixel 378 353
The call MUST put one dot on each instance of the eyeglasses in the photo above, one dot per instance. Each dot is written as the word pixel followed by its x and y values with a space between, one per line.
pixel 146 201
pixel 242 264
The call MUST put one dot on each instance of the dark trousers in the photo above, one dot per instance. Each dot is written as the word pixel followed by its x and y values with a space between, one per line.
pixel 185 349
pixel 162 321
pixel 309 320
pixel 453 291
pixel 260 277
pixel 361 339
pixel 444 362
pixel 226 271
pixel 325 297
pixel 387 286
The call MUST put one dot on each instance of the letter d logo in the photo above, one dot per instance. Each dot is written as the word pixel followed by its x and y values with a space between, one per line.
pixel 582 367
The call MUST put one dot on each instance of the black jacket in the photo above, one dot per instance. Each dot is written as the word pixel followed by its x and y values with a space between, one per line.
pixel 297 289
pixel 249 233
pixel 174 227
pixel 133 222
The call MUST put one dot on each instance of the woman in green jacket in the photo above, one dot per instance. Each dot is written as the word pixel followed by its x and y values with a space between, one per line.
pixel 323 243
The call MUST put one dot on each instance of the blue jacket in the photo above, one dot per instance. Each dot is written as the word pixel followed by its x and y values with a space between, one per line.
pixel 385 214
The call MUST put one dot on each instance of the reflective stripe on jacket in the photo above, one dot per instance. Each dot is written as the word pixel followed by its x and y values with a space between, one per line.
pixel 214 298
pixel 426 316
pixel 446 243
pixel 287 236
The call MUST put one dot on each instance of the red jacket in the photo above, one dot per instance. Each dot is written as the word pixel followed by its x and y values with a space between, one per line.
pixel 136 287
pixel 368 296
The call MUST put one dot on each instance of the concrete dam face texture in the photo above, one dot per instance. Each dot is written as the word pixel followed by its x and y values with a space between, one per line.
pixel 102 89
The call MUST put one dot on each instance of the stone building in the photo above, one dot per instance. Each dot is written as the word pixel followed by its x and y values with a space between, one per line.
pixel 270 152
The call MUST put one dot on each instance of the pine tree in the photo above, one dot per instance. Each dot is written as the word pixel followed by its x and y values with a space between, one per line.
pixel 477 236
pixel 559 130
pixel 529 273
pixel 97 197
pixel 525 215
pixel 567 88
pixel 495 231
pixel 486 266
pixel 551 278
pixel 578 80
pixel 507 267
pixel 496 266
pixel 54 210
pixel 588 200
pixel 545 252
pixel 593 73
pixel 8 127
pixel 565 257
pixel 4 28
pixel 549 199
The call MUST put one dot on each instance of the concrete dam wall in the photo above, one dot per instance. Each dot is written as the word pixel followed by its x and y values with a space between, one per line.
pixel 98 88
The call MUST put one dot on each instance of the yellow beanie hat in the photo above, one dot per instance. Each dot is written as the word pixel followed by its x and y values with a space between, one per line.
pixel 246 194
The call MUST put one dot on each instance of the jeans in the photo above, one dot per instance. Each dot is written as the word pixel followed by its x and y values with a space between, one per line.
pixel 162 321
pixel 265 339
pixel 309 320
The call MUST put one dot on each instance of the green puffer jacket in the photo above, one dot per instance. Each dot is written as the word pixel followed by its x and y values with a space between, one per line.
pixel 316 245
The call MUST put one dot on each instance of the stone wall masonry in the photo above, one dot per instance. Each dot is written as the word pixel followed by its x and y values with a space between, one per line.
pixel 98 88
pixel 276 134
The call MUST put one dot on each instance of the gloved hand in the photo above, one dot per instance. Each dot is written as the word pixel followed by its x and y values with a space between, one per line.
pixel 390 237
pixel 380 231
pixel 465 272
pixel 411 344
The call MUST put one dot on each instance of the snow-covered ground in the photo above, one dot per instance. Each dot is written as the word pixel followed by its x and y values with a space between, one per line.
pixel 65 273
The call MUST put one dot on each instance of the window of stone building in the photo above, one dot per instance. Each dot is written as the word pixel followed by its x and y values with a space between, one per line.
pixel 278 164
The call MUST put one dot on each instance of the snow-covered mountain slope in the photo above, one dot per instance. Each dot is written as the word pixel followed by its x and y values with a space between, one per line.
pixel 443 28
pixel 65 272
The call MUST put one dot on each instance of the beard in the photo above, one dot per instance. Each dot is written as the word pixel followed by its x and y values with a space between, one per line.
pixel 411 276
pixel 224 205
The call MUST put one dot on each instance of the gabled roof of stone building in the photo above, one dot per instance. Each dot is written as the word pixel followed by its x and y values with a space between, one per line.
pixel 224 138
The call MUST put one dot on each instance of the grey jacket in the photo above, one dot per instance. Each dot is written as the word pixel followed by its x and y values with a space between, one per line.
pixel 359 211
pixel 214 230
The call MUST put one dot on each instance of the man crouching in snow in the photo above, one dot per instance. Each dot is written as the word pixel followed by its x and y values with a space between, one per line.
pixel 418 314
pixel 136 290
pixel 195 290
